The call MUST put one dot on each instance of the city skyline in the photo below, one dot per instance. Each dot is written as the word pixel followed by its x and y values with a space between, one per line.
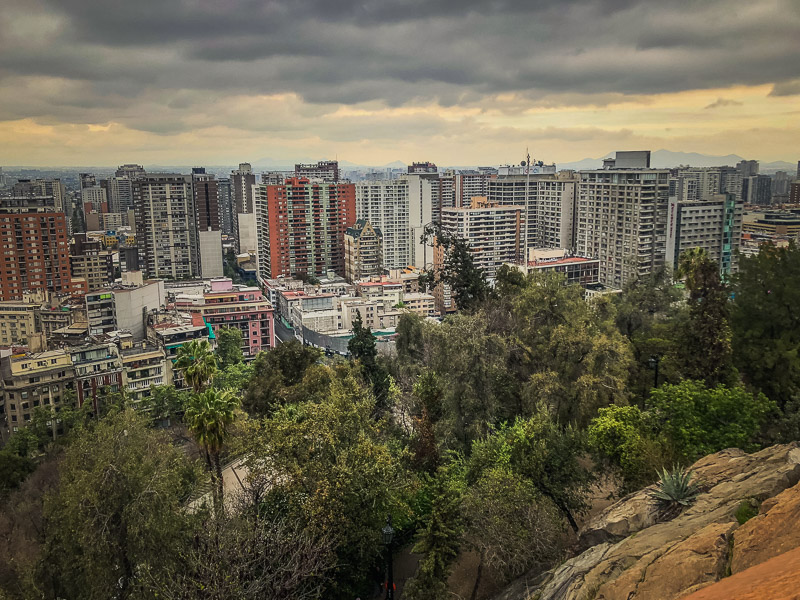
pixel 179 82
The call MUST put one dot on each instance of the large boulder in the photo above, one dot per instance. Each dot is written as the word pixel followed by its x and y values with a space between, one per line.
pixel 631 554
pixel 667 573
pixel 775 579
pixel 729 476
pixel 774 531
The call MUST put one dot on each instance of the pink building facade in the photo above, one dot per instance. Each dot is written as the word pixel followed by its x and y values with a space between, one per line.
pixel 245 308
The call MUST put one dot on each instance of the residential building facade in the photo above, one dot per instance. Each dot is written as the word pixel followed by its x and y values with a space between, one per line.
pixel 363 251
pixel 621 220
pixel 301 226
pixel 166 227
pixel 715 225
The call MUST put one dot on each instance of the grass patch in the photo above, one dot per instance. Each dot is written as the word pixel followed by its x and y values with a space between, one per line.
pixel 746 510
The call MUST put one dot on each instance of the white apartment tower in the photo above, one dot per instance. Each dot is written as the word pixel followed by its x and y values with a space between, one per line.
pixel 714 225
pixel 166 229
pixel 548 203
pixel 621 220
pixel 492 232
pixel 400 208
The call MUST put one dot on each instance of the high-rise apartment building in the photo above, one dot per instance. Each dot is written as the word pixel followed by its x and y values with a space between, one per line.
pixel 548 206
pixel 209 222
pixel 35 248
pixel 363 251
pixel 468 185
pixel 94 199
pixel 130 171
pixel 757 189
pixel 747 168
pixel 491 230
pixel 715 225
pixel 621 219
pixel 326 170
pixel 794 192
pixel 419 168
pixel 226 210
pixel 242 181
pixel 120 195
pixel 42 187
pixel 385 204
pixel 701 183
pixel 166 227
pixel 493 233
pixel 401 208
pixel 87 180
pixel 300 226
pixel 89 260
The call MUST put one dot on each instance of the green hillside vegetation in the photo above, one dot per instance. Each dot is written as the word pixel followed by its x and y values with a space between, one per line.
pixel 485 433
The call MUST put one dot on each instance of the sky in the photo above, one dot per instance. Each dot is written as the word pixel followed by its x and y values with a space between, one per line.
pixel 218 82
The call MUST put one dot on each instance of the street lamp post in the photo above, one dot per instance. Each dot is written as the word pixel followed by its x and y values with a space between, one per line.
pixel 388 537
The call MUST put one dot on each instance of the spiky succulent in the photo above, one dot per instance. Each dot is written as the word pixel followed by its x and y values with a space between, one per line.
pixel 675 489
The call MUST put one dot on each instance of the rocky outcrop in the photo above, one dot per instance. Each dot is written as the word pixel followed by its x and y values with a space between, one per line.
pixel 775 579
pixel 771 533
pixel 627 554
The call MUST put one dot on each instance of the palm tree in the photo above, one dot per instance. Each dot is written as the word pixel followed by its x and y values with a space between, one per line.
pixel 197 363
pixel 208 416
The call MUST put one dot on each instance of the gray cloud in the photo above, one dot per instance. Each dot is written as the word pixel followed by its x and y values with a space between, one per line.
pixel 149 63
pixel 720 102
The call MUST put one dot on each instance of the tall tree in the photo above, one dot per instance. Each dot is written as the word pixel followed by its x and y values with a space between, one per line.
pixel 209 415
pixel 328 462
pixel 362 348
pixel 277 375
pixel 705 339
pixel 766 321
pixel 409 336
pixel 117 511
pixel 468 282
pixel 197 363
pixel 542 452
pixel 229 346
pixel 440 537
pixel 572 354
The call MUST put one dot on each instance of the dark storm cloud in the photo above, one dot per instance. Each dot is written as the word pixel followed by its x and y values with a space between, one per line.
pixel 129 56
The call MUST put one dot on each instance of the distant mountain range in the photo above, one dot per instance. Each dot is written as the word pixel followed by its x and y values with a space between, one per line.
pixel 658 159
pixel 666 159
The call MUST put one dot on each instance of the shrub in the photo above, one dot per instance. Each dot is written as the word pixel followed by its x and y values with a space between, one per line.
pixel 675 490
pixel 746 510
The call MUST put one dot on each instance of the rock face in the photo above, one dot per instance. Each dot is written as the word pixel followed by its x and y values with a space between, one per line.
pixel 628 555
pixel 775 579
pixel 774 531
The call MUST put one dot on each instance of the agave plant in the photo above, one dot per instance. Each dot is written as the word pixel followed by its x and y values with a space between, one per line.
pixel 675 490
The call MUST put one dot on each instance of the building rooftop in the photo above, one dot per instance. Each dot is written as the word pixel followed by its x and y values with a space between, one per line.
pixel 549 262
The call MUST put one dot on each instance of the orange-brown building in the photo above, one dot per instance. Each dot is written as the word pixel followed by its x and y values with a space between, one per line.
pixel 300 226
pixel 35 248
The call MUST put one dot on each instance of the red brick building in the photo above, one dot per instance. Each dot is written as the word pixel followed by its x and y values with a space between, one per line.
pixel 35 247
pixel 301 226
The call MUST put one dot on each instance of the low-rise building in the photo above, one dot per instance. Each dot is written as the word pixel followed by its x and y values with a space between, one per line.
pixel 144 364
pixel 50 318
pixel 98 367
pixel 29 381
pixel 576 269
pixel 17 322
pixel 124 306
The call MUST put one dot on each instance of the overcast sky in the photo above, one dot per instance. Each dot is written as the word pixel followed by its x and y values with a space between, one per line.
pixel 470 82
